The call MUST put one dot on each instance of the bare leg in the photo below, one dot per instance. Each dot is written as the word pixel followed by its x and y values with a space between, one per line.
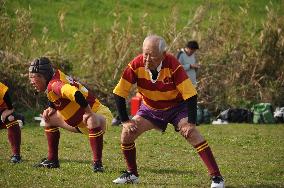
pixel 192 135
pixel 128 141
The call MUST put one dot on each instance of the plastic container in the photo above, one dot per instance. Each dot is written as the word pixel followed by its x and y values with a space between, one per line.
pixel 135 103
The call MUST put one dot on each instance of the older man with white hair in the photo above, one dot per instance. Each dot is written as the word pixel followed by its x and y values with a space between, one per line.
pixel 168 96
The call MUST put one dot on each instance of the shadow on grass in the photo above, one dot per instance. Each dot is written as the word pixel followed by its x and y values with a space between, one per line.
pixel 35 162
pixel 162 184
pixel 166 171
pixel 23 161
pixel 264 185
pixel 75 161
pixel 255 186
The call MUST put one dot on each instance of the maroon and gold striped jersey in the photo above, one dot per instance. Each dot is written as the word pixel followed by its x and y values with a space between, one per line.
pixel 171 87
pixel 3 90
pixel 61 93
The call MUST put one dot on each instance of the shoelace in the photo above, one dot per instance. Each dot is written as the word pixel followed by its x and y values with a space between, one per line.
pixel 98 165
pixel 125 174
pixel 217 179
pixel 16 156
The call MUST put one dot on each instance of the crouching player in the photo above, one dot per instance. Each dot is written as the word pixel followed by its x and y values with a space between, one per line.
pixel 72 107
pixel 9 121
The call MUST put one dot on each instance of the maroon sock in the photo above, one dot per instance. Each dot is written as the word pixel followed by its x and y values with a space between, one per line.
pixel 14 136
pixel 53 136
pixel 129 152
pixel 96 142
pixel 206 155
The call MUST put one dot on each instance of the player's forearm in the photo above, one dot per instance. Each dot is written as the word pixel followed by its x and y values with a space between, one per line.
pixel 88 109
pixel 192 109
pixel 8 101
pixel 80 99
pixel 194 66
pixel 121 108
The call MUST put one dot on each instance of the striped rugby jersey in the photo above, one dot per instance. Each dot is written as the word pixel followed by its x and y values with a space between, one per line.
pixel 171 87
pixel 3 90
pixel 61 93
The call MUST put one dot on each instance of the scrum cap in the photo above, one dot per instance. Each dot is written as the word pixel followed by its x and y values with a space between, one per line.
pixel 42 66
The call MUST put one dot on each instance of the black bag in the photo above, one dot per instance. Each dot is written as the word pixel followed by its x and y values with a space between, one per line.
pixel 236 115
pixel 179 53
pixel 203 115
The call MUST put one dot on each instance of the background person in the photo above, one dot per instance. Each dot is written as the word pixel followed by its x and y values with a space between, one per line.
pixel 187 58
pixel 168 96
pixel 72 107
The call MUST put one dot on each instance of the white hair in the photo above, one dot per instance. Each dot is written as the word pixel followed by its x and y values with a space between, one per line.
pixel 161 42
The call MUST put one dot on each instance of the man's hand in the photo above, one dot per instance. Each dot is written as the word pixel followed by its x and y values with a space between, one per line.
pixel 130 126
pixel 185 127
pixel 195 66
pixel 186 131
pixel 47 113
pixel 6 113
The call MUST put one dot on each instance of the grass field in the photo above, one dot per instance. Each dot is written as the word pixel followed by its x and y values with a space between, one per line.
pixel 81 16
pixel 248 155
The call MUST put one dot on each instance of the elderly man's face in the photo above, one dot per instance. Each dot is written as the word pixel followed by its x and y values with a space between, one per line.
pixel 151 55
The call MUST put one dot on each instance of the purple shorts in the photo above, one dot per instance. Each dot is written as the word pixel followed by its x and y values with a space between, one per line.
pixel 161 118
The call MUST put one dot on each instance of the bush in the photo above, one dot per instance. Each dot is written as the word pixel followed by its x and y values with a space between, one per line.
pixel 242 63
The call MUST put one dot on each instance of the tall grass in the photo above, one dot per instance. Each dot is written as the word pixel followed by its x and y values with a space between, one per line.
pixel 242 62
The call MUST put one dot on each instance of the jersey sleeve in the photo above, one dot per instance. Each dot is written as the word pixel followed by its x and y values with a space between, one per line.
pixel 3 95
pixel 183 84
pixel 125 83
pixel 64 90
pixel 3 90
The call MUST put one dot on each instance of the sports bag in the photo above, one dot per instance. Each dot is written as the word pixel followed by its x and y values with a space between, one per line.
pixel 203 116
pixel 262 113
pixel 236 115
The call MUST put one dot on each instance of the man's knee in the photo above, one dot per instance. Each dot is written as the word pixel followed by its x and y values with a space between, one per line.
pixel 128 137
pixel 125 136
pixel 142 125
pixel 191 134
pixel 188 131
pixel 54 121
pixel 100 122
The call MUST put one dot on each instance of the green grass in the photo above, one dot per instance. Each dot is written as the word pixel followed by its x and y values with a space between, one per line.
pixel 248 155
pixel 81 16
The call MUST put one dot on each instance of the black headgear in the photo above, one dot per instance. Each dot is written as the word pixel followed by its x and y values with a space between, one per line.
pixel 42 66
